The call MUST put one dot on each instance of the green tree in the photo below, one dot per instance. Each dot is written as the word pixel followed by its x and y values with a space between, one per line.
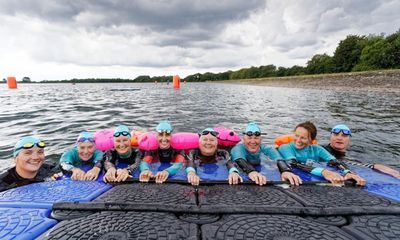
pixel 320 63
pixel 348 52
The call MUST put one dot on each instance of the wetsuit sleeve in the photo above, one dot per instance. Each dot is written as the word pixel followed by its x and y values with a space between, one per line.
pixel 108 160
pixel 354 162
pixel 284 166
pixel 230 165
pixel 67 160
pixel 286 152
pixel 339 164
pixel 306 168
pixel 175 167
pixel 190 162
pixel 271 152
pixel 136 164
pixel 245 166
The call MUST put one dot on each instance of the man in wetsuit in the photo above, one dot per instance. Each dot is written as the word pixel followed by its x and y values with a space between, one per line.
pixel 164 154
pixel 339 143
pixel 29 165
pixel 248 154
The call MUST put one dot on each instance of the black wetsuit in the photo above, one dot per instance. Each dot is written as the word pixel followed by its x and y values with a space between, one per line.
pixel 11 179
pixel 111 158
pixel 195 159
pixel 342 157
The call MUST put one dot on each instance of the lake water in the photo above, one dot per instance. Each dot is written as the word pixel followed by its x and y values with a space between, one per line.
pixel 58 112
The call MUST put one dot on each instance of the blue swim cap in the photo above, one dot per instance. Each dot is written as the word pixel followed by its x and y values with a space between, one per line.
pixel 341 127
pixel 23 141
pixel 252 127
pixel 122 130
pixel 164 126
pixel 85 137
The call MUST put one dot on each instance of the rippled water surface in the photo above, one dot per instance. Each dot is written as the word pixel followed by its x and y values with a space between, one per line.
pixel 58 112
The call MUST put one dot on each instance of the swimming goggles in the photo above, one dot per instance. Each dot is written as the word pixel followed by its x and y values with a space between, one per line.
pixel 83 139
pixel 206 132
pixel 344 131
pixel 124 133
pixel 250 133
pixel 40 144
pixel 164 131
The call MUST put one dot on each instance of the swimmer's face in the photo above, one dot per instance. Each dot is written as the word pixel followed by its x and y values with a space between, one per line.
pixel 29 160
pixel 339 141
pixel 164 140
pixel 86 150
pixel 302 138
pixel 122 144
pixel 208 144
pixel 252 143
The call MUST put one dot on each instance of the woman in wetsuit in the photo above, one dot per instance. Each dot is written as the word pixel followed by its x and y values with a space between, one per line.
pixel 122 154
pixel 209 153
pixel 29 165
pixel 84 153
pixel 164 154
pixel 302 154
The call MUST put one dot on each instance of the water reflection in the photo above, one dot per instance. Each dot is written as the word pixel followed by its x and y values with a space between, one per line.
pixel 58 112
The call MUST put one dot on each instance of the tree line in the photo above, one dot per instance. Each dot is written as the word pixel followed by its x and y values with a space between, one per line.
pixel 354 53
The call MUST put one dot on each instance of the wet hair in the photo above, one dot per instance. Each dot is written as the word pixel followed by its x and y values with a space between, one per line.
pixel 310 127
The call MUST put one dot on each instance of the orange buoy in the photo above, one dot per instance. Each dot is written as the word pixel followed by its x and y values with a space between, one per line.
pixel 176 81
pixel 284 139
pixel 12 82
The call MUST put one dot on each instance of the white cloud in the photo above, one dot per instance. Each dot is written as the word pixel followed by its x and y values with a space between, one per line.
pixel 50 40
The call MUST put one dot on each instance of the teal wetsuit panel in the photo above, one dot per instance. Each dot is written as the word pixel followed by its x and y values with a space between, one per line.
pixel 240 152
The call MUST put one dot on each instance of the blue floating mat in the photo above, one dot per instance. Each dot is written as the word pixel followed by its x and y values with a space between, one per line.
pixel 379 183
pixel 21 223
pixel 43 195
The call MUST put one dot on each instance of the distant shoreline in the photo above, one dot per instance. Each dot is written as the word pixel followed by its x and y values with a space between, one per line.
pixel 385 81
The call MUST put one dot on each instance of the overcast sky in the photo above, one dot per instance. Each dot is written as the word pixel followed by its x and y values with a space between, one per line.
pixel 54 39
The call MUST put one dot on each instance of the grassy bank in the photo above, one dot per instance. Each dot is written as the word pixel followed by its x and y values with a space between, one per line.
pixel 383 80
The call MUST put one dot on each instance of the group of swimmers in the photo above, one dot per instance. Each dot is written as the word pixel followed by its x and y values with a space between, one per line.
pixel 244 157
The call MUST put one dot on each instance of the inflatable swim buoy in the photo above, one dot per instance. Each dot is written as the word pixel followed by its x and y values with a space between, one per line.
pixel 227 137
pixel 148 141
pixel 135 135
pixel 104 139
pixel 185 140
pixel 284 139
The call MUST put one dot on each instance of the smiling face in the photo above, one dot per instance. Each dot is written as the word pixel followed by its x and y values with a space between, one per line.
pixel 29 161
pixel 86 150
pixel 164 140
pixel 339 141
pixel 122 144
pixel 252 143
pixel 208 144
pixel 302 138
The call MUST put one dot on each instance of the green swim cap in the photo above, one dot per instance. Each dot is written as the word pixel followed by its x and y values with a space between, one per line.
pixel 26 143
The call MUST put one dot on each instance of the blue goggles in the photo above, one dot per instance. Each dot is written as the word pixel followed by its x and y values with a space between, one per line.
pixel 164 131
pixel 84 139
pixel 39 144
pixel 344 131
pixel 250 133
pixel 123 133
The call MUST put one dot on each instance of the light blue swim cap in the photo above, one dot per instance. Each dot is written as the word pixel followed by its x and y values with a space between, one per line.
pixel 252 127
pixel 122 130
pixel 341 127
pixel 164 126
pixel 85 137
pixel 24 140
